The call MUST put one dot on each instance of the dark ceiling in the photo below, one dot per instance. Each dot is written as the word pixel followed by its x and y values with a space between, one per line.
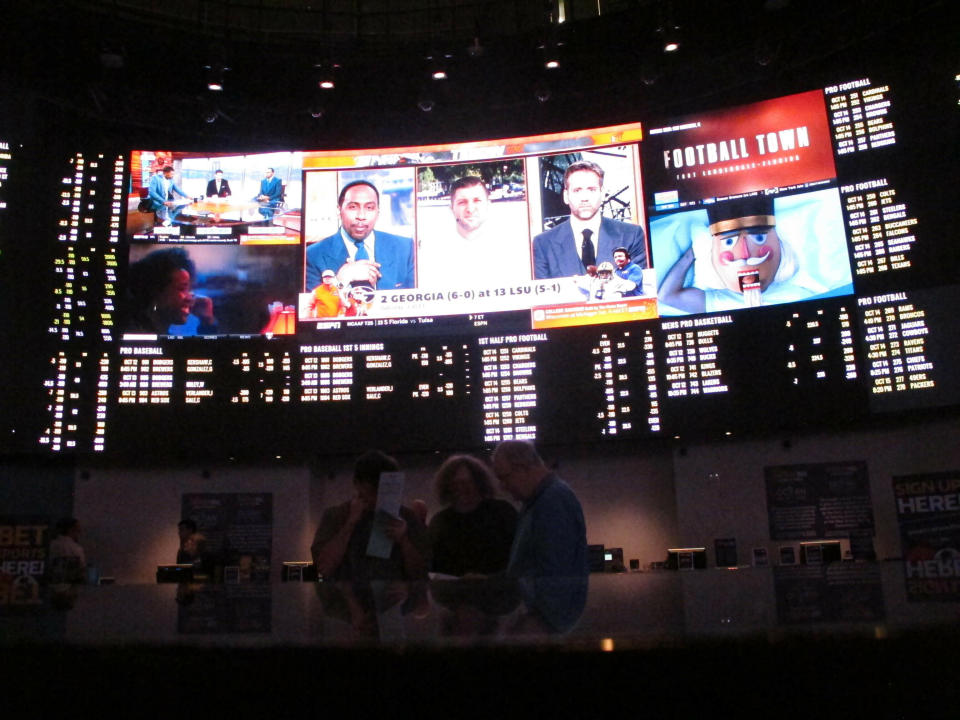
pixel 134 71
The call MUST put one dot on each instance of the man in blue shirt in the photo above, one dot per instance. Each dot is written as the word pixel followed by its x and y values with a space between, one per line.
pixel 548 558
pixel 163 191
pixel 628 270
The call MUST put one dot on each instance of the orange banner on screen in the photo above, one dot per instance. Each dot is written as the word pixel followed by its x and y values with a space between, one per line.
pixel 574 314
pixel 500 147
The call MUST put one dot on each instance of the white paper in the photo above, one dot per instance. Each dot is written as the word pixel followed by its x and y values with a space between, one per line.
pixel 388 499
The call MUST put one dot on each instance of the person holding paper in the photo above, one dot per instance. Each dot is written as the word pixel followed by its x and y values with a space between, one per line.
pixel 349 540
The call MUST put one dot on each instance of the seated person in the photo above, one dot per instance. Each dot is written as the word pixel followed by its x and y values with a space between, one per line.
pixel 270 196
pixel 474 532
pixel 218 187
pixel 340 545
pixel 192 543
pixel 67 562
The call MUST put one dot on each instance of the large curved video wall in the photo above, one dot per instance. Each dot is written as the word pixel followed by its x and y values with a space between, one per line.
pixel 770 266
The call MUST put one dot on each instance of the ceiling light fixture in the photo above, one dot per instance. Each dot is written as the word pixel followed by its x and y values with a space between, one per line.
pixel 215 77
pixel 326 72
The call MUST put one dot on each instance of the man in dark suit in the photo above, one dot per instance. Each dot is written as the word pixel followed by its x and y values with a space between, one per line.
pixel 586 238
pixel 218 187
pixel 358 254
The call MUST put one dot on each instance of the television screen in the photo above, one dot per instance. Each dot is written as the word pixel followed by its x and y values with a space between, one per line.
pixel 767 266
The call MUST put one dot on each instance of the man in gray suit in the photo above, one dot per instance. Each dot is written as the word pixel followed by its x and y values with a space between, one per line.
pixel 586 238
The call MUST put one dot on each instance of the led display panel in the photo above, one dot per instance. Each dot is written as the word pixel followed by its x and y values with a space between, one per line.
pixel 768 266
